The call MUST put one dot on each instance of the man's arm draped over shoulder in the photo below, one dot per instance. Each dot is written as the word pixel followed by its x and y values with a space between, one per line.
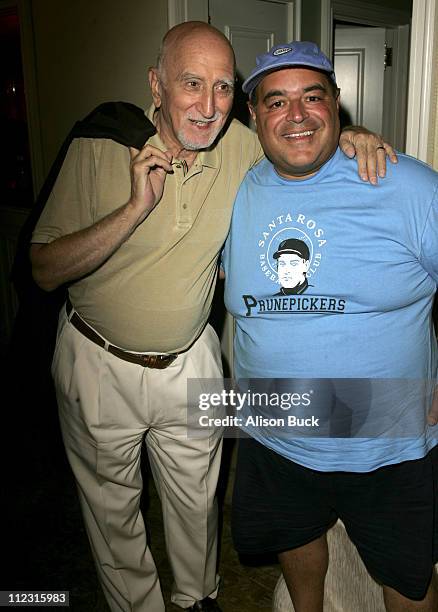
pixel 370 151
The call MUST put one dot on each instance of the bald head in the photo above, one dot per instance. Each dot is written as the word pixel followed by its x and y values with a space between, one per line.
pixel 192 87
pixel 191 33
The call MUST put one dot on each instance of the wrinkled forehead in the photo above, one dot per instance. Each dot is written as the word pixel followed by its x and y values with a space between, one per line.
pixel 200 52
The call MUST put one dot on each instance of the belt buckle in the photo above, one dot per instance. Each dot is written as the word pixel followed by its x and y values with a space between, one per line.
pixel 159 362
pixel 171 358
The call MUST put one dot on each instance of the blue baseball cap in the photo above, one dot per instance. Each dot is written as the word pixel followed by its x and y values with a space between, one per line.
pixel 288 55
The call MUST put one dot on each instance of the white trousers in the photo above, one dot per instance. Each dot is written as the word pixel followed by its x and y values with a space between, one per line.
pixel 107 408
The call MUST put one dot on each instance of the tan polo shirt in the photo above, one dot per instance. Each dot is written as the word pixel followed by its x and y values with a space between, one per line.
pixel 155 292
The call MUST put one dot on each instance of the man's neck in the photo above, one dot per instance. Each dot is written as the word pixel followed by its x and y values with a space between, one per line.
pixel 178 152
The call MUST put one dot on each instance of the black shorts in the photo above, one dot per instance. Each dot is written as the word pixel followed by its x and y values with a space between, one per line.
pixel 390 514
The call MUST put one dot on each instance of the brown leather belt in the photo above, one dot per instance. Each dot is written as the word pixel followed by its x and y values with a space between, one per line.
pixel 158 362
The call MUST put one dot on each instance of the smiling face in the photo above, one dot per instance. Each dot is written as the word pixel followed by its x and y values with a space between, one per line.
pixel 193 89
pixel 296 113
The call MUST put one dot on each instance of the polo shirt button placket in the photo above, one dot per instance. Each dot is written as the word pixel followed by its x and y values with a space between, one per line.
pixel 184 219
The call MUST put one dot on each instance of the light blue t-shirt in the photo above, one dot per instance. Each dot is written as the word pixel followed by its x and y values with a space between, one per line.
pixel 330 278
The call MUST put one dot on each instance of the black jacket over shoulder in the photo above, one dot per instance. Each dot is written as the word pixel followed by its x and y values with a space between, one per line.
pixel 34 332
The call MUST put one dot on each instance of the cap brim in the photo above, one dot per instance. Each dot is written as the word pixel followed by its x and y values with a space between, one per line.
pixel 288 252
pixel 251 83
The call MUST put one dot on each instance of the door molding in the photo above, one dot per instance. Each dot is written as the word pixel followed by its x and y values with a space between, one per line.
pixel 421 80
pixel 396 23
pixel 179 11
pixel 357 12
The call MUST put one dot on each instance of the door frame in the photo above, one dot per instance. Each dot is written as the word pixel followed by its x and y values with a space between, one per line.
pixel 186 10
pixel 397 24
pixel 357 12
pixel 422 79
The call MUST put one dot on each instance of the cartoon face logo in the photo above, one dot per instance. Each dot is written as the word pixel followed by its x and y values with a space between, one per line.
pixel 293 261
pixel 291 251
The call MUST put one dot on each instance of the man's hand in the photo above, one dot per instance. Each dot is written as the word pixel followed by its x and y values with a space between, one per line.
pixel 370 151
pixel 149 168
pixel 74 255
pixel 432 417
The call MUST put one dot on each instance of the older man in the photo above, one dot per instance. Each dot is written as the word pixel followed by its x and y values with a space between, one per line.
pixel 373 267
pixel 137 235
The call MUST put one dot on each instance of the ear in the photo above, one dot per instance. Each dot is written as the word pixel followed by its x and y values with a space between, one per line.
pixel 154 82
pixel 252 112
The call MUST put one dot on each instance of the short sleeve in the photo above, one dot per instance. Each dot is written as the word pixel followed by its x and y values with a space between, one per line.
pixel 429 242
pixel 71 203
